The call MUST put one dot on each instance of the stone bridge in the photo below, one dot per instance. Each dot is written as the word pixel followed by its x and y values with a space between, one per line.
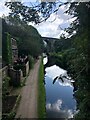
pixel 50 42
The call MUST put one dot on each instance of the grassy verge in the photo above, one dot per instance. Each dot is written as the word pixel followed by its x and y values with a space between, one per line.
pixel 41 93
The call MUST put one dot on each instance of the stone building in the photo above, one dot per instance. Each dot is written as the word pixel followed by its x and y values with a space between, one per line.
pixel 14 50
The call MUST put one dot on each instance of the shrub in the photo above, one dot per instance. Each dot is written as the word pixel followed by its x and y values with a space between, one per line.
pixel 5 85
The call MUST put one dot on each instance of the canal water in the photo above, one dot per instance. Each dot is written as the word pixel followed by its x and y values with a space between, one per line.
pixel 60 102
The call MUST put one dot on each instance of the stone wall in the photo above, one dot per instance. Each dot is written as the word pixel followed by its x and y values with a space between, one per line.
pixel 16 77
pixel 4 72
pixel 25 69
pixel 14 49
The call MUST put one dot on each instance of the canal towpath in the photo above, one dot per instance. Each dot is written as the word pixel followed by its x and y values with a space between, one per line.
pixel 29 93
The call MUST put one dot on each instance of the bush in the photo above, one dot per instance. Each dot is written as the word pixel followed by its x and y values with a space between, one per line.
pixel 31 61
pixel 5 85
pixel 18 67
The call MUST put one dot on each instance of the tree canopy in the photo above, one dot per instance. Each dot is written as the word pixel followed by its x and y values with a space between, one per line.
pixel 29 41
pixel 33 12
pixel 77 55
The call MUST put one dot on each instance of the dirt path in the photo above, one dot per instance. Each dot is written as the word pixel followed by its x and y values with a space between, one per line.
pixel 28 104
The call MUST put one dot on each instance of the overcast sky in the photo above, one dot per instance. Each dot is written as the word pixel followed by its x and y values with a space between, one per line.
pixel 53 27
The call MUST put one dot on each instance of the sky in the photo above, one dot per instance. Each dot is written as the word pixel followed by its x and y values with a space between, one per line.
pixel 53 27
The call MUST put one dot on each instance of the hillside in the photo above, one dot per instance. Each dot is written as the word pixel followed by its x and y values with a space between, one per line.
pixel 28 39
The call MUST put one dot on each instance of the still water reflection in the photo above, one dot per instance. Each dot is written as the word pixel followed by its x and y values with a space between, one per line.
pixel 60 102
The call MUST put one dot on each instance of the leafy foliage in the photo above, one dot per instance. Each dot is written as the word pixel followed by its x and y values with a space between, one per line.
pixel 28 39
pixel 78 56
pixel 27 13
pixel 6 43
pixel 5 85
pixel 21 13
pixel 73 54
pixel 9 49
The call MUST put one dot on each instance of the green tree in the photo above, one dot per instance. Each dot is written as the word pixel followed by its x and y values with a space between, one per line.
pixel 6 44
pixel 38 12
pixel 29 41
pixel 80 62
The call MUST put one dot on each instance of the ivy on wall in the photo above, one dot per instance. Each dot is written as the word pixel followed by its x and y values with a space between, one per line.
pixel 9 49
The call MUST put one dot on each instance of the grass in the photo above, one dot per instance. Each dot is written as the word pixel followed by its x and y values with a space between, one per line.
pixel 41 93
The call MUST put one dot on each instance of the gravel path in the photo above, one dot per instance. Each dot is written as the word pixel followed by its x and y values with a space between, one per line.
pixel 28 104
